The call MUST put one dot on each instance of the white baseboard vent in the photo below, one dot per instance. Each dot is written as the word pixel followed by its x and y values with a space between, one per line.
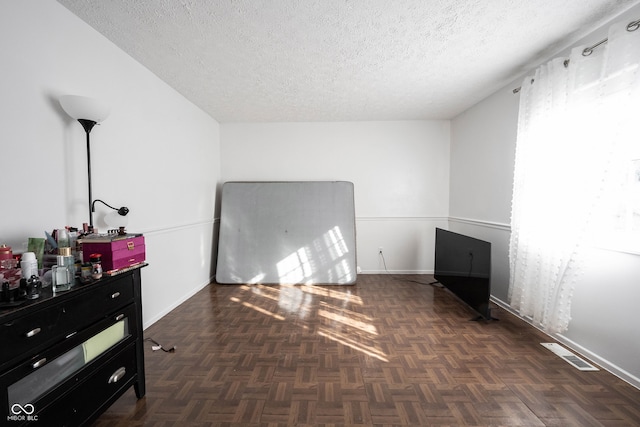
pixel 572 359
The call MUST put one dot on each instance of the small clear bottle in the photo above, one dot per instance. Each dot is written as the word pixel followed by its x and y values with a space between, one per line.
pixel 96 266
pixel 86 272
pixel 69 260
pixel 61 276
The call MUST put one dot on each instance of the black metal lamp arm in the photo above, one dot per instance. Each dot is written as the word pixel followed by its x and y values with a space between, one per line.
pixel 122 211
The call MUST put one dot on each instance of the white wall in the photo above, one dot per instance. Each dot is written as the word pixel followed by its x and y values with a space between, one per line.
pixel 482 159
pixel 605 304
pixel 400 172
pixel 156 153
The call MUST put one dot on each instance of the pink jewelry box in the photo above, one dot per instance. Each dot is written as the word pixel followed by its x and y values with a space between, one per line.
pixel 116 251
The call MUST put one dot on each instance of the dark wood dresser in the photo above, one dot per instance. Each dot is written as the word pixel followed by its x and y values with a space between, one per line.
pixel 65 358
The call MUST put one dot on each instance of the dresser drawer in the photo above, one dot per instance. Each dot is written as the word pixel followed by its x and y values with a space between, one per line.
pixel 78 406
pixel 40 328
pixel 33 331
pixel 106 298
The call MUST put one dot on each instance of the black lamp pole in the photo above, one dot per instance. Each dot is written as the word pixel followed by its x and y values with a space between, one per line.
pixel 88 125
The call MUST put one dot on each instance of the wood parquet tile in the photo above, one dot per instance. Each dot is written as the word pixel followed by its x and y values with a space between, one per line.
pixel 384 352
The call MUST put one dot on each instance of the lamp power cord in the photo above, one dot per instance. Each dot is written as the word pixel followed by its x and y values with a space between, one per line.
pixel 157 346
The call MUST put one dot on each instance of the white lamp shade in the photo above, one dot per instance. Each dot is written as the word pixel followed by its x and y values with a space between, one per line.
pixel 82 107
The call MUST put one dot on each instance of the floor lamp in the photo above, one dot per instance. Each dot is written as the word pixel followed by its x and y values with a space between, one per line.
pixel 88 112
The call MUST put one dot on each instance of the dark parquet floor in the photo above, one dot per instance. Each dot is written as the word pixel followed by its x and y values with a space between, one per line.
pixel 387 351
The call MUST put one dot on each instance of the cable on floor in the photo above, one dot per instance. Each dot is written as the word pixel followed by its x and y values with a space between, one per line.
pixel 433 284
pixel 157 346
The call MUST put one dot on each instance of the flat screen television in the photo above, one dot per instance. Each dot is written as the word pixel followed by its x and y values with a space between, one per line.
pixel 463 266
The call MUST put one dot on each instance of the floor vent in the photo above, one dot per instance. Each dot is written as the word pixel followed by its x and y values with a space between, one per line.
pixel 569 357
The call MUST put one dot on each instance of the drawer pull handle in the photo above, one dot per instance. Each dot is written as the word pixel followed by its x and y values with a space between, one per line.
pixel 71 334
pixel 119 317
pixel 36 365
pixel 115 295
pixel 33 332
pixel 117 375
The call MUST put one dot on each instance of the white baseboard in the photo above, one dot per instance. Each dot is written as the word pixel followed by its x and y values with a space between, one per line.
pixel 169 308
pixel 604 363
pixel 598 360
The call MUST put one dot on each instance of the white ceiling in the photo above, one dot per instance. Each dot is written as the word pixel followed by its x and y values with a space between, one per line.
pixel 341 60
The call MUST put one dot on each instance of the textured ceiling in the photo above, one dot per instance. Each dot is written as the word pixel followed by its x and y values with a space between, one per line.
pixel 341 60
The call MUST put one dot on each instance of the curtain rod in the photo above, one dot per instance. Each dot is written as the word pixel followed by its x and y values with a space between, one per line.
pixel 631 26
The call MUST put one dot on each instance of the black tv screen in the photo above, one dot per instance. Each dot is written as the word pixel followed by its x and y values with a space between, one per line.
pixel 463 266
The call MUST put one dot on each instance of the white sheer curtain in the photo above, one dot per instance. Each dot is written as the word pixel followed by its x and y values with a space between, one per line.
pixel 577 132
